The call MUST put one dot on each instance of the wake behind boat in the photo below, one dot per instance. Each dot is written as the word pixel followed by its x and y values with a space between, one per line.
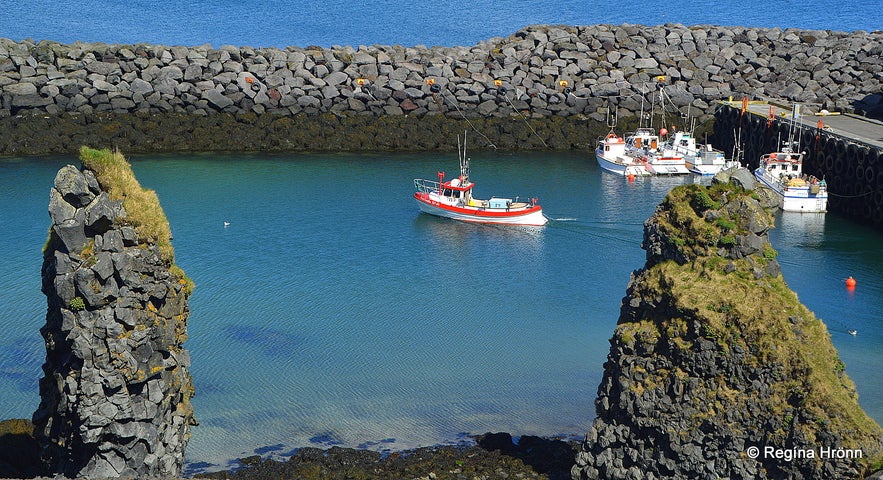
pixel 453 199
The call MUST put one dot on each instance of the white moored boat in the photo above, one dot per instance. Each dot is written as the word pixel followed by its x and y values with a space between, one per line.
pixel 701 160
pixel 657 157
pixel 611 156
pixel 783 173
pixel 453 199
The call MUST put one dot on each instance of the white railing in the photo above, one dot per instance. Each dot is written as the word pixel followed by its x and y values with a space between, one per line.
pixel 426 186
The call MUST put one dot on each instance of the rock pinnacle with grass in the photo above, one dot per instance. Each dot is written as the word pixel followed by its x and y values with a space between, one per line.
pixel 115 396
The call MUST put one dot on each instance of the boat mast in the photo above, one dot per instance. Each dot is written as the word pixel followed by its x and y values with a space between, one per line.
pixel 464 160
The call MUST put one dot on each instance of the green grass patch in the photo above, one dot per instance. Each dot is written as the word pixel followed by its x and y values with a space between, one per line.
pixel 77 304
pixel 726 224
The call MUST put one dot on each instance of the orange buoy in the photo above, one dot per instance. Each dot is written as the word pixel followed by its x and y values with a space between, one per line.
pixel 850 282
pixel 631 177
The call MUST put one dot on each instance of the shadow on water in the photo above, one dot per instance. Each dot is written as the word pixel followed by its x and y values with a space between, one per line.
pixel 268 341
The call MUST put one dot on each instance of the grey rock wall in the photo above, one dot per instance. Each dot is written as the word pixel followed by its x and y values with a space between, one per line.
pixel 115 396
pixel 538 72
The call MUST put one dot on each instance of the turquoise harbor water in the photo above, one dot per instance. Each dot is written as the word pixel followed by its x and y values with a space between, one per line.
pixel 330 311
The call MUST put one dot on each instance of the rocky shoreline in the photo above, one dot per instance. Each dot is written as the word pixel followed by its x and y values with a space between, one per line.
pixel 55 97
pixel 493 455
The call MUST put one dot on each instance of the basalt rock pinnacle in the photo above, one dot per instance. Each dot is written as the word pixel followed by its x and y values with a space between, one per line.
pixel 716 370
pixel 115 396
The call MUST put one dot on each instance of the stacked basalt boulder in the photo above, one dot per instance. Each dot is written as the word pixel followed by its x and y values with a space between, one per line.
pixel 137 94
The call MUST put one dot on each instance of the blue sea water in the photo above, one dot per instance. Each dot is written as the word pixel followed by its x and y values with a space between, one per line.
pixel 441 22
pixel 331 312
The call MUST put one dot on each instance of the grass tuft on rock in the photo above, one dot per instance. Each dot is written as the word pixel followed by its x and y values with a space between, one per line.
pixel 143 211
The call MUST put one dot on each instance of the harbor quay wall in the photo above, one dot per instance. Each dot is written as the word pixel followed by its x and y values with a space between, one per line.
pixel 852 169
pixel 543 87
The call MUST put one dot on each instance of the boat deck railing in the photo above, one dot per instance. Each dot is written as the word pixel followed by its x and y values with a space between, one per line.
pixel 426 186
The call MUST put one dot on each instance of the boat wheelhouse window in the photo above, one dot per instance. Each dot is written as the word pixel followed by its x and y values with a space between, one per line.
pixel 451 193
pixel 794 167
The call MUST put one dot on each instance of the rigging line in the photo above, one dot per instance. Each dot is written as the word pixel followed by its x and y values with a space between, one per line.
pixel 853 196
pixel 489 142
pixel 525 120
pixel 578 231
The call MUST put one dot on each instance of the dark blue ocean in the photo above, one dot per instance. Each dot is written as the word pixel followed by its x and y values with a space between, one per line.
pixel 436 22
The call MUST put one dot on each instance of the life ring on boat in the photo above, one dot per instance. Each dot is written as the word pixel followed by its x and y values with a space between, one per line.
pixel 611 136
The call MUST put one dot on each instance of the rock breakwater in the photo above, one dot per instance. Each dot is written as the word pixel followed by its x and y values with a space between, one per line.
pixel 115 398
pixel 716 370
pixel 538 72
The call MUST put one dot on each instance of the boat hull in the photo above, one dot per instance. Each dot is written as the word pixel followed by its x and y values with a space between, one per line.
pixel 795 199
pixel 532 215
pixel 666 167
pixel 705 169
pixel 620 168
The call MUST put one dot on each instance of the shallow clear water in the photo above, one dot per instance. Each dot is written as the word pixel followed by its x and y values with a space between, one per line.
pixel 330 311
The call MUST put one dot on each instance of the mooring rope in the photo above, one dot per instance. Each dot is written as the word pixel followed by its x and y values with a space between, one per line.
pixel 525 120
pixel 489 142
pixel 854 196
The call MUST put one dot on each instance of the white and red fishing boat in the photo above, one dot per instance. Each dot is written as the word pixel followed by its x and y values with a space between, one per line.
pixel 453 199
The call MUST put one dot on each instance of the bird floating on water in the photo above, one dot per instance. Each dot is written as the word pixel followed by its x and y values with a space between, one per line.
pixel 226 223
pixel 852 332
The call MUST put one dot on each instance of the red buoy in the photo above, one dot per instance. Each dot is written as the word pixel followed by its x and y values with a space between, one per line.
pixel 850 282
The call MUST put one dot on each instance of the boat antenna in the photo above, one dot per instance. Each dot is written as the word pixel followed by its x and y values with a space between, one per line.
pixel 795 117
